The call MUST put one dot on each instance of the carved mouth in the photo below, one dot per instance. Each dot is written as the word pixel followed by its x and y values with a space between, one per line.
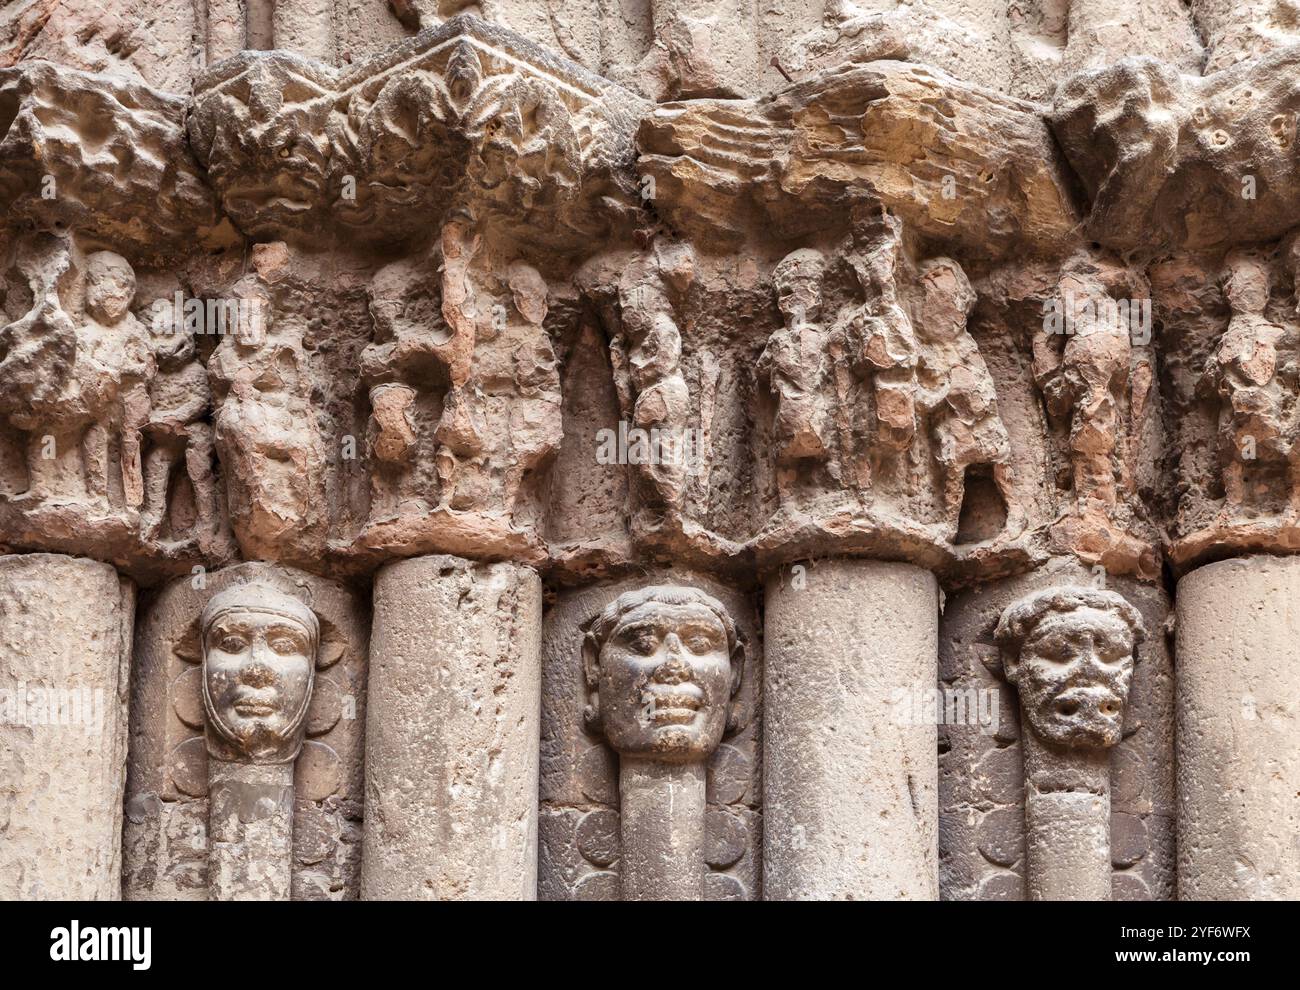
pixel 675 706
pixel 1087 701
pixel 253 706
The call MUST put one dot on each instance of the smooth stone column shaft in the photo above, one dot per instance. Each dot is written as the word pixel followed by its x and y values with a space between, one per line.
pixel 452 728
pixel 65 653
pixel 250 831
pixel 850 793
pixel 1067 822
pixel 1238 730
pixel 661 815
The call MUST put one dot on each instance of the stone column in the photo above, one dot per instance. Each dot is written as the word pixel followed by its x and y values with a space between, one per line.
pixel 250 831
pixel 259 649
pixel 1238 730
pixel 452 732
pixel 1070 652
pixel 850 794
pixel 65 635
pixel 661 816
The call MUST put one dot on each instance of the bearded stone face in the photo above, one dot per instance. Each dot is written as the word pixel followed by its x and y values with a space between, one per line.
pixel 664 680
pixel 1073 672
pixel 258 671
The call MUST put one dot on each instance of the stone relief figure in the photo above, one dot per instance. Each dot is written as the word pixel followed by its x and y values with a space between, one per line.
pixel 1086 382
pixel 177 433
pixel 793 364
pixel 1070 652
pixel 266 431
pixel 956 393
pixel 78 386
pixel 415 367
pixel 882 342
pixel 650 342
pixel 662 665
pixel 259 662
pixel 1244 373
pixel 457 427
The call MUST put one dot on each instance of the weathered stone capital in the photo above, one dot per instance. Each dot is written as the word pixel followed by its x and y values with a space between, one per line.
pixel 464 115
pixel 104 155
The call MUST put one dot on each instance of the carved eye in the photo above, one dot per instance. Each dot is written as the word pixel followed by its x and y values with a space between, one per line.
pixel 283 645
pixel 232 644
pixel 699 643
pixel 643 643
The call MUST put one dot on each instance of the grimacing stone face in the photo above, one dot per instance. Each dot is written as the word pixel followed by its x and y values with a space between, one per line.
pixel 259 661
pixel 664 678
pixel 1073 666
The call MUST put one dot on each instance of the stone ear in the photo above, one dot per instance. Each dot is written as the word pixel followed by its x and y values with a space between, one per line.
pixel 735 716
pixel 1011 665
pixel 591 677
pixel 590 661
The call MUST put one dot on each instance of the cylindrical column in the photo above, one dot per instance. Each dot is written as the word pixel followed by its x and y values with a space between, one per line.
pixel 850 794
pixel 1238 730
pixel 661 812
pixel 250 831
pixel 65 647
pixel 1067 822
pixel 452 732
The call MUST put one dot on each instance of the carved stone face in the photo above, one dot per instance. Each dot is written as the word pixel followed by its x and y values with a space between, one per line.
pixel 664 678
pixel 797 280
pixel 259 660
pixel 1073 671
pixel 110 286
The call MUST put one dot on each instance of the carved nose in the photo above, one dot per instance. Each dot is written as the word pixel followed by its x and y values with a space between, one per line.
pixel 257 673
pixel 673 670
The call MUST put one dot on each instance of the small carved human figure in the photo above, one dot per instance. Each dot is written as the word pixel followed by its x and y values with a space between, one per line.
pixel 1070 652
pixel 662 665
pixel 179 401
pixel 119 366
pixel 882 341
pixel 652 342
pixel 259 662
pixel 1086 381
pixel 1244 374
pixel 79 388
pixel 792 363
pixel 956 391
pixel 266 431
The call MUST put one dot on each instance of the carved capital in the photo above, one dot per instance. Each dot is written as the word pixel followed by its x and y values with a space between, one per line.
pixel 464 117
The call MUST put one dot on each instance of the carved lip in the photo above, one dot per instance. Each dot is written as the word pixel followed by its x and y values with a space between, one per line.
pixel 254 706
pixel 675 704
